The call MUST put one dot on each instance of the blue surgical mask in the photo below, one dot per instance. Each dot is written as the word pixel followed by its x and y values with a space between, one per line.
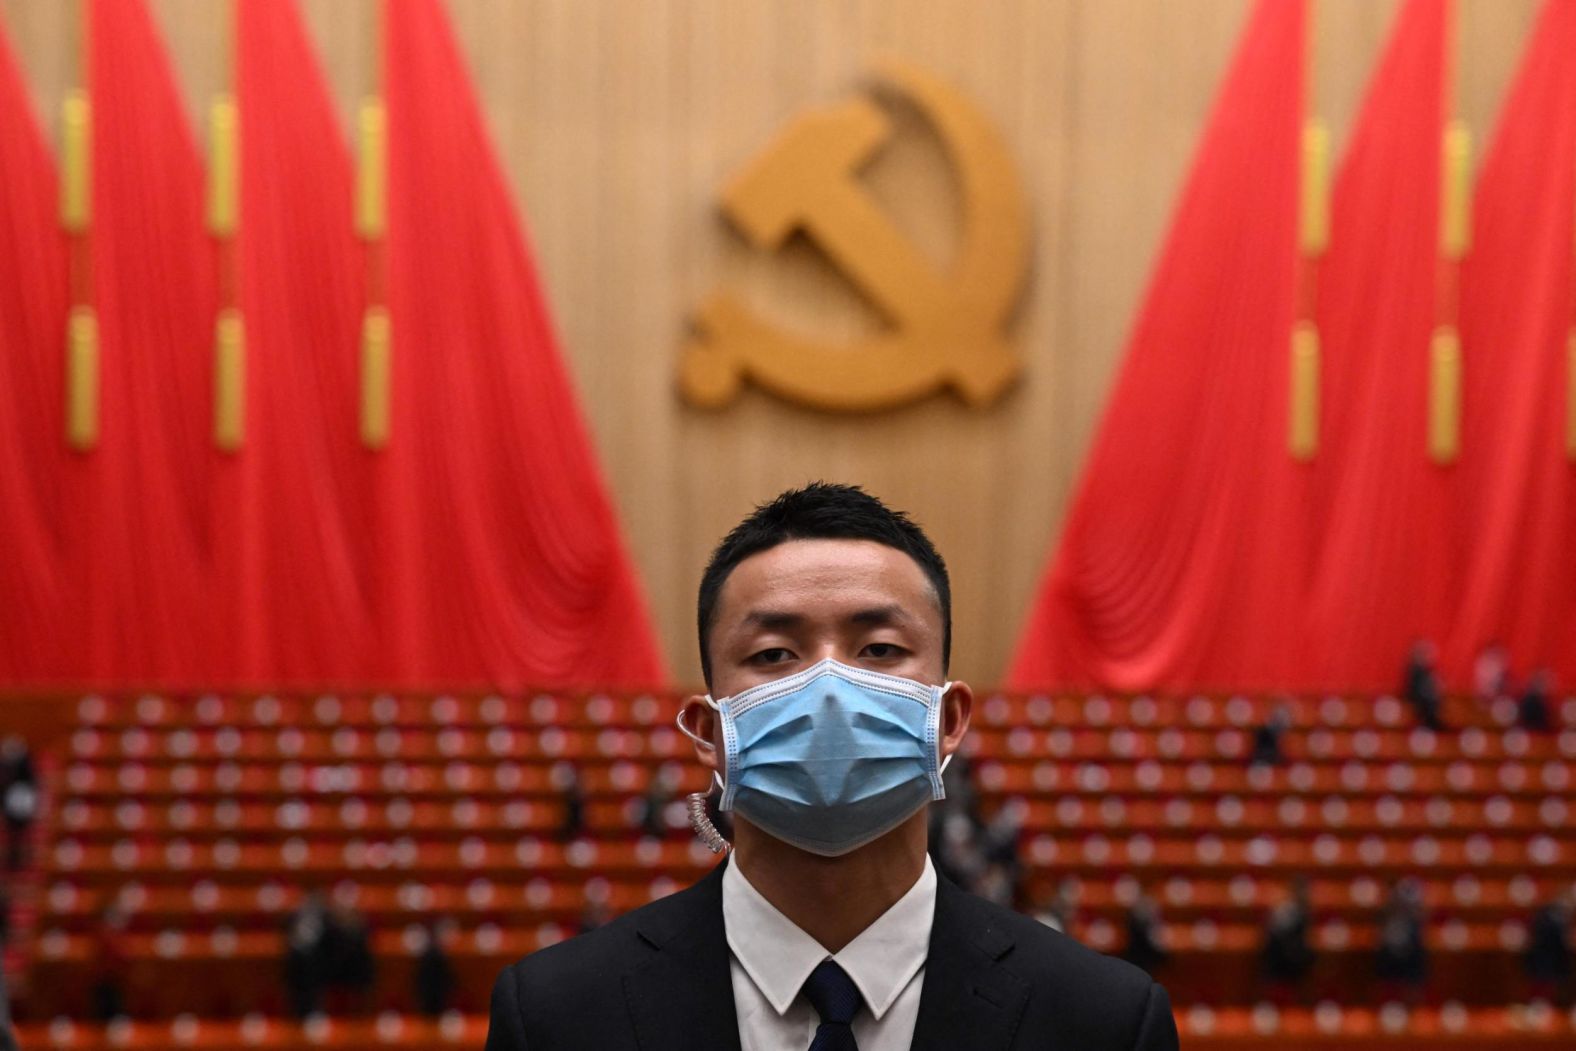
pixel 832 757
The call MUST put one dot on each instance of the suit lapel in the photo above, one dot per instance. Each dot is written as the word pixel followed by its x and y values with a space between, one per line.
pixel 968 999
pixel 681 995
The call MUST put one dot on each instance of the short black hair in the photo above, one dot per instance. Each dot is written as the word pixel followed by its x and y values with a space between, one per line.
pixel 821 511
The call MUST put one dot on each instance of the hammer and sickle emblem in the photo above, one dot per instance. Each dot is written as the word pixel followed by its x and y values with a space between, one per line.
pixel 945 325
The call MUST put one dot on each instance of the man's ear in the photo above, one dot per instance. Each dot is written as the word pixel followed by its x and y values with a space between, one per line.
pixel 701 719
pixel 956 708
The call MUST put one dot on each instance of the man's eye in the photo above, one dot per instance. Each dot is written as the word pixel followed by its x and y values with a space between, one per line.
pixel 775 655
pixel 883 650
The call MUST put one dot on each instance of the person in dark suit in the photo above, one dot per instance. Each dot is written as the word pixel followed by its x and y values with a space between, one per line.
pixel 1287 957
pixel 1532 712
pixel 306 962
pixel 1401 962
pixel 7 1036
pixel 825 629
pixel 433 977
pixel 1146 935
pixel 18 797
pixel 1549 958
pixel 1420 684
pixel 1267 748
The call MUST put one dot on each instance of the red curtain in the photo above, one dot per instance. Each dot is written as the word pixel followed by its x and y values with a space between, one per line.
pixel 32 394
pixel 1178 559
pixel 1384 515
pixel 478 548
pixel 1517 313
pixel 142 551
pixel 1196 555
pixel 517 566
pixel 303 578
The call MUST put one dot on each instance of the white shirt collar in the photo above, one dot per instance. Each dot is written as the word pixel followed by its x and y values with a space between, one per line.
pixel 778 956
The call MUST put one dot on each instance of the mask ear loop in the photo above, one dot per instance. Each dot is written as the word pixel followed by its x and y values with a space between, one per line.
pixel 938 787
pixel 699 820
pixel 945 759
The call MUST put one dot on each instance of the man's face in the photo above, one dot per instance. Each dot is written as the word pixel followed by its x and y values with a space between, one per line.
pixel 856 601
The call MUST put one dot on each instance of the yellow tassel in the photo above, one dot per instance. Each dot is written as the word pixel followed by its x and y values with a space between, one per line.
pixel 76 146
pixel 1303 431
pixel 229 380
pixel 371 201
pixel 82 379
pixel 1314 225
pixel 223 170
pixel 1444 396
pixel 1455 198
pixel 375 371
pixel 1570 396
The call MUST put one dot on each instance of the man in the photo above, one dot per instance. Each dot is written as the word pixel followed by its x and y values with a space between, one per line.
pixel 7 1037
pixel 1401 962
pixel 307 955
pixel 1287 956
pixel 825 626
pixel 1532 713
pixel 1267 738
pixel 433 977
pixel 1146 934
pixel 1549 958
pixel 18 797
pixel 1420 684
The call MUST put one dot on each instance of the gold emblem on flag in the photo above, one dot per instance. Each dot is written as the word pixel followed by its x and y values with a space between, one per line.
pixel 945 324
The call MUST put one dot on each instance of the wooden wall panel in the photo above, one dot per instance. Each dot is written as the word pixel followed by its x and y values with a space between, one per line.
pixel 617 120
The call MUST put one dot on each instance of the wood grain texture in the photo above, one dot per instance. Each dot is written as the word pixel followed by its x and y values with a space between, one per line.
pixel 618 121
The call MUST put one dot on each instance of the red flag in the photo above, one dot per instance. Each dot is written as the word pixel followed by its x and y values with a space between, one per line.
pixel 1517 318
pixel 32 394
pixel 519 571
pixel 144 516
pixel 1381 578
pixel 300 577
pixel 1178 564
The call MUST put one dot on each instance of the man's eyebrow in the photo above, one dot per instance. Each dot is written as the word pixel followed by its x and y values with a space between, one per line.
pixel 773 620
pixel 779 620
pixel 879 615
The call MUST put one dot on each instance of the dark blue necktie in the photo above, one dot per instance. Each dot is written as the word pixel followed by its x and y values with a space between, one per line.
pixel 836 999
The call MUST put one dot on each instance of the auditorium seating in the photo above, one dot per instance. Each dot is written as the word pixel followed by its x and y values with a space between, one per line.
pixel 206 819
pixel 1203 1029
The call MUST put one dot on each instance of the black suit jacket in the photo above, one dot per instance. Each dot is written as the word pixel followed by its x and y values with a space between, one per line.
pixel 657 979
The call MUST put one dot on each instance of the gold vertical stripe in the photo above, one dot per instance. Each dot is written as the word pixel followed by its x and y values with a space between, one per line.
pixel 376 365
pixel 1314 218
pixel 223 166
pixel 371 175
pixel 1303 431
pixel 1570 395
pixel 1455 197
pixel 229 380
pixel 76 147
pixel 82 379
pixel 1444 396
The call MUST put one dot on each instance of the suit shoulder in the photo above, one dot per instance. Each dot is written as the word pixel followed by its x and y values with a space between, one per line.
pixel 1064 967
pixel 589 960
pixel 575 963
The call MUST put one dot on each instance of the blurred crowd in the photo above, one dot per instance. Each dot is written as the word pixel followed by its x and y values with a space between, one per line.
pixel 1494 682
pixel 328 965
pixel 982 856
pixel 980 853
